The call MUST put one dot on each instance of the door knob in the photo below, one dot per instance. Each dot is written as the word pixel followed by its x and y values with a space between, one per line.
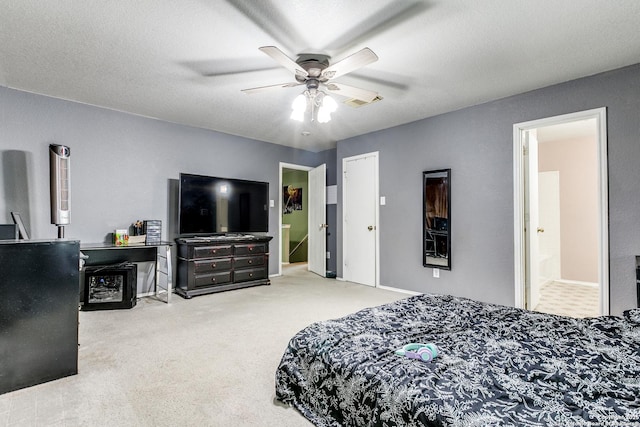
pixel 540 230
pixel 370 227
pixel 324 225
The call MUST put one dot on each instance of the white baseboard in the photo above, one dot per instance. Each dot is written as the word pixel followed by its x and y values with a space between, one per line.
pixel 402 291
pixel 389 288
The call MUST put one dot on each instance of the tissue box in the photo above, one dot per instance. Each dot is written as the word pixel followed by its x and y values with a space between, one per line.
pixel 137 240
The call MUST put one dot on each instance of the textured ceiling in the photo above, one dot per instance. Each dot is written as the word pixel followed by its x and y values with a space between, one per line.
pixel 187 61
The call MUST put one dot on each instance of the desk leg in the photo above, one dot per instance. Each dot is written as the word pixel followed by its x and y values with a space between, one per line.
pixel 168 272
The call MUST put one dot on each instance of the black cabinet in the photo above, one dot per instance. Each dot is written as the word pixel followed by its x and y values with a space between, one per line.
pixel 39 283
pixel 221 263
pixel 638 281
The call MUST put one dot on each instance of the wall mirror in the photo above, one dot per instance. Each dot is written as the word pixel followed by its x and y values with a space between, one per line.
pixel 436 218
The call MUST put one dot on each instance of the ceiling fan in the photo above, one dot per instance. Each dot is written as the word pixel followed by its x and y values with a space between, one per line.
pixel 315 71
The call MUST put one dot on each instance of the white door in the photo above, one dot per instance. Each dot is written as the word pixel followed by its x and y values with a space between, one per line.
pixel 360 219
pixel 532 222
pixel 317 259
pixel 549 219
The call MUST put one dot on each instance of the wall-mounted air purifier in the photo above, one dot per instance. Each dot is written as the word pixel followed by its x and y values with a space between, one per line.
pixel 60 182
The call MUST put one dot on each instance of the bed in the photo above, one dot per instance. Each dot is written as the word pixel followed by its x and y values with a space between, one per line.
pixel 497 366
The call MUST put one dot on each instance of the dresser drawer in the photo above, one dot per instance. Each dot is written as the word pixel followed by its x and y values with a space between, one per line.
pixel 249 274
pixel 258 248
pixel 248 261
pixel 211 251
pixel 212 279
pixel 210 265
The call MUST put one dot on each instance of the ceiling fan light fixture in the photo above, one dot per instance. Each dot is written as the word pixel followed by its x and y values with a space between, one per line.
pixel 324 115
pixel 329 104
pixel 297 115
pixel 321 105
pixel 300 103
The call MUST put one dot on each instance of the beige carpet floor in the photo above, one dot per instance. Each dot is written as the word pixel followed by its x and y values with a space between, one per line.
pixel 208 361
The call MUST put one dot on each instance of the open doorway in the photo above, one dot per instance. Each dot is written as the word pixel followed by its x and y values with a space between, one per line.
pixel 303 228
pixel 561 240
pixel 294 217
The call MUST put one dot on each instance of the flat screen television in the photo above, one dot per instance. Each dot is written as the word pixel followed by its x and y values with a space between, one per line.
pixel 211 205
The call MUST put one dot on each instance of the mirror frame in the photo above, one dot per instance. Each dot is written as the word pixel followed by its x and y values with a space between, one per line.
pixel 436 228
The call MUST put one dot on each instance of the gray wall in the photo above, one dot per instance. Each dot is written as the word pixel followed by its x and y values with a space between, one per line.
pixel 476 143
pixel 123 167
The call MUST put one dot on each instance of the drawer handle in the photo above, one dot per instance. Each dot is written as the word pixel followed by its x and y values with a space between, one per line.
pixel 250 249
pixel 213 265
pixel 213 251
pixel 250 274
pixel 250 261
pixel 213 280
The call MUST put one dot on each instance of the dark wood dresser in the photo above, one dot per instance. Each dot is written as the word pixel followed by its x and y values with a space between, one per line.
pixel 221 263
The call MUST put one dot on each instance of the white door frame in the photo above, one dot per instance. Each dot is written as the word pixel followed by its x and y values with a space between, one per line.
pixel 282 167
pixel 376 182
pixel 532 209
pixel 600 114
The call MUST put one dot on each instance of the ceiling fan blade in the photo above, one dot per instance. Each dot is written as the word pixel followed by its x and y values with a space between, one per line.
pixel 350 63
pixel 352 92
pixel 284 60
pixel 265 88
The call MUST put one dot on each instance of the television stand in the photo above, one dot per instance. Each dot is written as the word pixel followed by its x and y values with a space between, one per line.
pixel 209 264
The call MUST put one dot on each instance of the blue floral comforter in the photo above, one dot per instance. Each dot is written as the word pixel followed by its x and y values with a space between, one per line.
pixel 498 366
